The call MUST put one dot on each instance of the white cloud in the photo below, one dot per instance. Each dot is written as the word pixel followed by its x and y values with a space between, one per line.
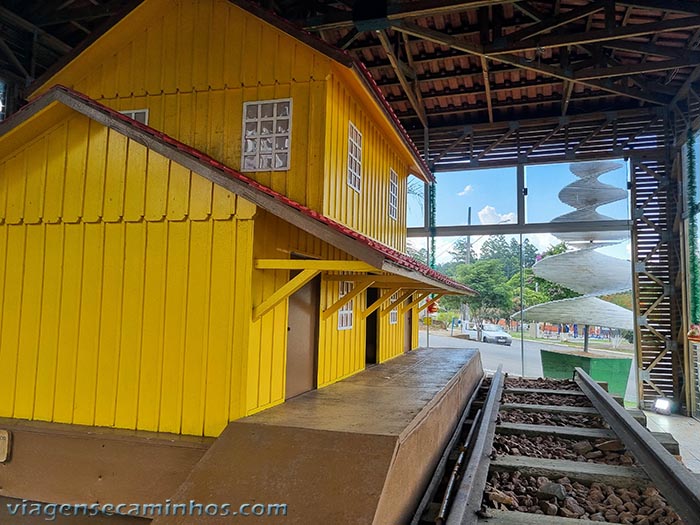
pixel 489 215
pixel 467 189
pixel 542 241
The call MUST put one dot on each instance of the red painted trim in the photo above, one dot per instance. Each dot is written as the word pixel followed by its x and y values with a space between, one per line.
pixel 391 254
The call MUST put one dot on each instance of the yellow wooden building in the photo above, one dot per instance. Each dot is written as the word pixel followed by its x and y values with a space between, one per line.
pixel 202 214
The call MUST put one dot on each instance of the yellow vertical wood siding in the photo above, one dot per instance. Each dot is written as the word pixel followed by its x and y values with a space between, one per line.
pixel 367 210
pixel 123 286
pixel 128 244
pixel 391 336
pixel 194 82
pixel 341 353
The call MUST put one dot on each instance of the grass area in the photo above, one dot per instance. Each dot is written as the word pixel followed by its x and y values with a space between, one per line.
pixel 594 344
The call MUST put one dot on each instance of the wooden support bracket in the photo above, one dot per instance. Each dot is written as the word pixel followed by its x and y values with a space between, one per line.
pixel 398 301
pixel 376 304
pixel 413 303
pixel 313 264
pixel 357 290
pixel 283 292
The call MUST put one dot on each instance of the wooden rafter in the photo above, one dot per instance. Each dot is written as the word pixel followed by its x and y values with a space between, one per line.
pixel 477 90
pixel 409 56
pixel 348 39
pixel 549 24
pixel 497 142
pixel 74 15
pixel 399 11
pixel 438 37
pixel 670 6
pixel 683 90
pixel 13 58
pixel 524 102
pixel 654 49
pixel 487 87
pixel 400 67
pixel 592 134
pixel 589 37
pixel 455 144
pixel 632 69
pixel 639 132
pixel 45 38
pixel 548 136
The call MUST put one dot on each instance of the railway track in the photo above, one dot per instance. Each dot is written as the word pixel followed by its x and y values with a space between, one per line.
pixel 556 452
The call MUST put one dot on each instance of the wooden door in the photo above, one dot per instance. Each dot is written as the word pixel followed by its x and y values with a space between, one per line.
pixel 408 331
pixel 302 339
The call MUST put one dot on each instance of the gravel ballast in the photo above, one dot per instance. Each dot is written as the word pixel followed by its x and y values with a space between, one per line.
pixel 562 497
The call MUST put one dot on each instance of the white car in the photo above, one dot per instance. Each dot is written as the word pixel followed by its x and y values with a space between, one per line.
pixel 491 333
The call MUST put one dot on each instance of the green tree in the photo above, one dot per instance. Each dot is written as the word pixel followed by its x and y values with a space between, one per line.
pixel 488 279
pixel 508 252
pixel 531 293
pixel 462 251
pixel 554 249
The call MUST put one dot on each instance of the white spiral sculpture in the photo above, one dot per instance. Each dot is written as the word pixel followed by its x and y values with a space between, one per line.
pixel 586 271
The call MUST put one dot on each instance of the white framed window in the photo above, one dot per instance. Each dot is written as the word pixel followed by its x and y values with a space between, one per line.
pixel 354 158
pixel 267 135
pixel 394 314
pixel 393 194
pixel 139 115
pixel 345 314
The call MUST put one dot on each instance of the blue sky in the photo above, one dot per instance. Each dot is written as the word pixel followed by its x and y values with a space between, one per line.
pixel 492 195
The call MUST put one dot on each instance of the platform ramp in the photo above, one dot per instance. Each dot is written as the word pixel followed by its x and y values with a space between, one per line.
pixel 360 451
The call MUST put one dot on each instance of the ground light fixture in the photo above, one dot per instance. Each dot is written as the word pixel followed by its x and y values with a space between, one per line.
pixel 662 405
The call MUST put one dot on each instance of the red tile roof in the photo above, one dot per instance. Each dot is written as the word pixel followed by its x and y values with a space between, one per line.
pixel 66 95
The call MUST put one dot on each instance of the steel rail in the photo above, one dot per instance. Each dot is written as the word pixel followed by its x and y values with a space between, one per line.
pixel 441 466
pixel 677 484
pixel 467 500
pixel 456 472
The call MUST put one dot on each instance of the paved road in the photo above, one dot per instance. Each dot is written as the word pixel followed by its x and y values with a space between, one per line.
pixel 510 356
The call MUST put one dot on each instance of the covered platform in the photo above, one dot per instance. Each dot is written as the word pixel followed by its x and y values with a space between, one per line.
pixel 359 451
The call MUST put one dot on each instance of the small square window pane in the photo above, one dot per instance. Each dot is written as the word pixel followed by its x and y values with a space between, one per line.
pixel 283 109
pixel 265 162
pixel 249 162
pixel 251 146
pixel 251 111
pixel 280 160
pixel 281 143
pixel 267 110
pixel 266 145
pixel 140 116
pixel 266 127
pixel 283 126
pixel 251 129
